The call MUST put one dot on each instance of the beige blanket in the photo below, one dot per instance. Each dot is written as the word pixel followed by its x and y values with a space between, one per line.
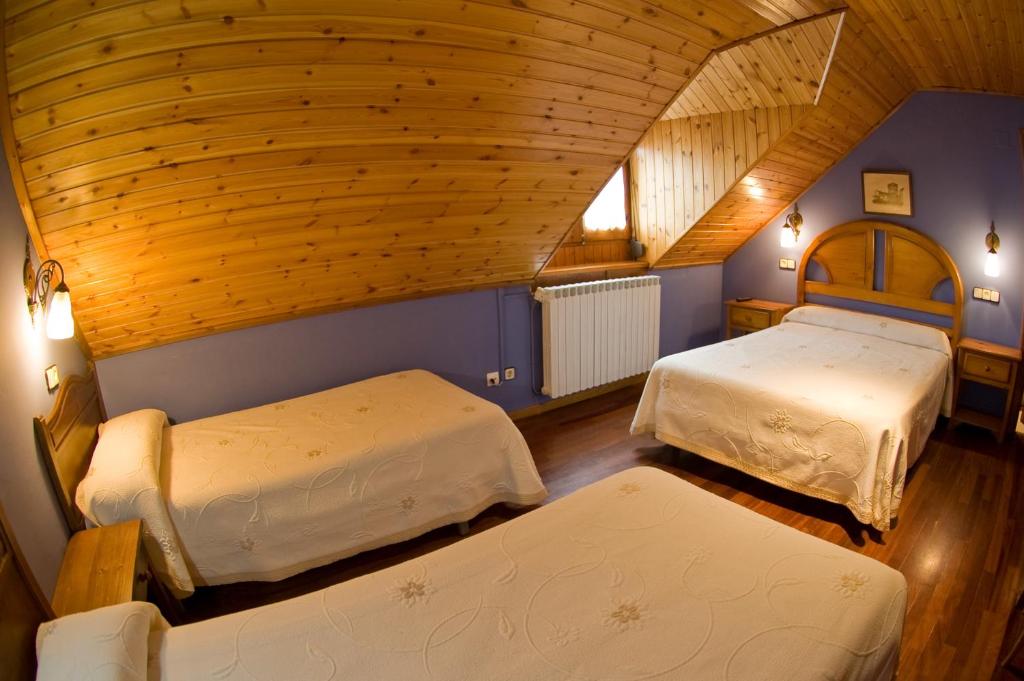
pixel 268 492
pixel 639 576
pixel 833 404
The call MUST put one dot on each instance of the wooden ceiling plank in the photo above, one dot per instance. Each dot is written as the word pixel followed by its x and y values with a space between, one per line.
pixel 407 124
pixel 214 149
pixel 477 65
pixel 363 180
pixel 117 37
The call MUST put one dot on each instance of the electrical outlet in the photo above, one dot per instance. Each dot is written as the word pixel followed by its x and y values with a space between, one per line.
pixel 510 373
pixel 493 379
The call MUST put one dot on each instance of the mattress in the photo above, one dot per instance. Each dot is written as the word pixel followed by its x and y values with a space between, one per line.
pixel 832 404
pixel 265 493
pixel 638 576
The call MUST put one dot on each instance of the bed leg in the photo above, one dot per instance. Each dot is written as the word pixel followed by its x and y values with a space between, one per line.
pixel 464 528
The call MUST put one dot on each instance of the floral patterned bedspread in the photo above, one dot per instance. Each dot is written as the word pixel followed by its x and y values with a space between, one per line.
pixel 640 576
pixel 835 413
pixel 265 493
pixel 268 492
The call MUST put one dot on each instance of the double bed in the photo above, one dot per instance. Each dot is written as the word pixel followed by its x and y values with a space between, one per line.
pixel 830 403
pixel 638 576
pixel 265 493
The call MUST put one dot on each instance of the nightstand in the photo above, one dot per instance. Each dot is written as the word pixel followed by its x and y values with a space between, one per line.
pixel 102 566
pixel 753 315
pixel 989 364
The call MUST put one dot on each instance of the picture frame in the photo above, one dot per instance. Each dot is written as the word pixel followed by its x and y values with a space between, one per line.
pixel 887 192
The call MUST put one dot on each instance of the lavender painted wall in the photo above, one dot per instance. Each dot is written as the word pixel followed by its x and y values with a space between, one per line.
pixel 964 153
pixel 455 336
pixel 25 352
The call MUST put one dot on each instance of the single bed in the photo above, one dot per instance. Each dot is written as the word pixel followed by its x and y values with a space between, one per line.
pixel 638 576
pixel 265 493
pixel 830 403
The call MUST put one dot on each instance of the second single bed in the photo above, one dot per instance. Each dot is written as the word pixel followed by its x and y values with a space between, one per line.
pixel 267 492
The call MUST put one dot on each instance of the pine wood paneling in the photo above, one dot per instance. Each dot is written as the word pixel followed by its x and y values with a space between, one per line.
pixel 864 85
pixel 886 51
pixel 782 68
pixel 200 166
pixel 961 45
pixel 688 164
pixel 583 249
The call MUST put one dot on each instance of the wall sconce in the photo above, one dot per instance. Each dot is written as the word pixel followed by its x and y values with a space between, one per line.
pixel 59 322
pixel 791 230
pixel 992 257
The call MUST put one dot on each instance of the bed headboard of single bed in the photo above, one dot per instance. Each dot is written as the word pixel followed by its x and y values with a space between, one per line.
pixel 67 437
pixel 913 266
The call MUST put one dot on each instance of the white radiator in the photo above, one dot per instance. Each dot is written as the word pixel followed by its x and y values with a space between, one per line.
pixel 598 332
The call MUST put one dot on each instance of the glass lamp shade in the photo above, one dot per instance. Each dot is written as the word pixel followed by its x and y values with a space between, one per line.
pixel 59 322
pixel 992 264
pixel 788 238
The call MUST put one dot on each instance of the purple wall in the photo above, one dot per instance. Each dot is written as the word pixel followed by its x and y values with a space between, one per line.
pixel 25 352
pixel 455 336
pixel 964 154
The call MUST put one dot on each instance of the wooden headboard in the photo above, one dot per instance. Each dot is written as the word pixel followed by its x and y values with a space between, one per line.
pixel 67 437
pixel 913 266
pixel 23 607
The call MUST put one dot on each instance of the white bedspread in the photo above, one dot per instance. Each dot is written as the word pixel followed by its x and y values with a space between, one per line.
pixel 639 576
pixel 268 492
pixel 835 413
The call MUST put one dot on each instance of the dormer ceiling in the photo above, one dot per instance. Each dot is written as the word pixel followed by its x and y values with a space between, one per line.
pixel 783 68
pixel 202 166
pixel 885 52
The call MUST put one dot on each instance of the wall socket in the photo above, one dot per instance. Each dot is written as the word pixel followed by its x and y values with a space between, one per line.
pixel 787 264
pixel 510 373
pixel 987 294
pixel 493 379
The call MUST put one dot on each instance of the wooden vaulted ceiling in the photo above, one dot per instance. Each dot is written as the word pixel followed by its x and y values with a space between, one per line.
pixel 201 166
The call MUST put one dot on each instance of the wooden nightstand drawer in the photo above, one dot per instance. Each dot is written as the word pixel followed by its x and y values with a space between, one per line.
pixel 994 365
pixel 749 319
pixel 986 368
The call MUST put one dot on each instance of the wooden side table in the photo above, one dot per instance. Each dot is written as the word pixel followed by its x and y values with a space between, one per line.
pixel 989 364
pixel 102 566
pixel 752 315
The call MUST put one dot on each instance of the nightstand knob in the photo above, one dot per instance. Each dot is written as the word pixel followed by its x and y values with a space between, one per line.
pixel 987 368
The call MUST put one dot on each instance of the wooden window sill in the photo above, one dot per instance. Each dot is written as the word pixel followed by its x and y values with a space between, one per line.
pixel 554 276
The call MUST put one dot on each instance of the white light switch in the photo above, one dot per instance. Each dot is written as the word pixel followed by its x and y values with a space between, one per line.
pixel 986 294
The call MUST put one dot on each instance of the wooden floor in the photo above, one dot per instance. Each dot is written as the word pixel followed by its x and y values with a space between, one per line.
pixel 958 540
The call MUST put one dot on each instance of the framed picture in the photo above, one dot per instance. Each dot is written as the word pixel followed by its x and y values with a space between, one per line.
pixel 887 192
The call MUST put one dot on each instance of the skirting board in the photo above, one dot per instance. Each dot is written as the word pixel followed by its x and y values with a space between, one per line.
pixel 535 409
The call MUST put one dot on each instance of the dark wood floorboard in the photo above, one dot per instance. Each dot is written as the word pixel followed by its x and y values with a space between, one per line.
pixel 958 540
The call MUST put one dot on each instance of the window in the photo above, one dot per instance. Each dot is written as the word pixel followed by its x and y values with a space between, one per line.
pixel 608 211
